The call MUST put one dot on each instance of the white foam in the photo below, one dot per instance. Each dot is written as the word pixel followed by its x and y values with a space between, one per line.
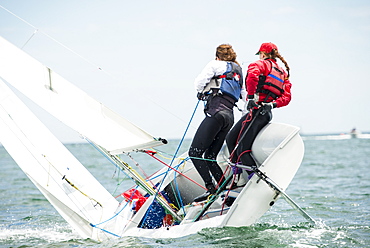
pixel 50 234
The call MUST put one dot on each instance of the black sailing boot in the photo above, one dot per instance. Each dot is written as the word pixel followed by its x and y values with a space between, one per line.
pixel 210 191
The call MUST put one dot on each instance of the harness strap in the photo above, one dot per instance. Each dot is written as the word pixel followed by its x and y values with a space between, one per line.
pixel 273 85
pixel 277 69
pixel 229 75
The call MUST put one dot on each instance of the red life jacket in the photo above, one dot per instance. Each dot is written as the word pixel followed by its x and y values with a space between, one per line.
pixel 272 84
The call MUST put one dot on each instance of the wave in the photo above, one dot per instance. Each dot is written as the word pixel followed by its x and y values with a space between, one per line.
pixel 336 137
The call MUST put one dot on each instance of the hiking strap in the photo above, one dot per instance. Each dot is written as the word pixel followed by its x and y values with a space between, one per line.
pixel 214 197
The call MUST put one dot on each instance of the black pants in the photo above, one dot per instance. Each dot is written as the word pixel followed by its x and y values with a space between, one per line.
pixel 243 152
pixel 207 143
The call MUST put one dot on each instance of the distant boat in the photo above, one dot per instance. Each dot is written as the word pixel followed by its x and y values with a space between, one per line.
pixel 354 133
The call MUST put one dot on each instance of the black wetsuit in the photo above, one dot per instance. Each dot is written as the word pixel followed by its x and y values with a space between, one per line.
pixel 243 151
pixel 210 137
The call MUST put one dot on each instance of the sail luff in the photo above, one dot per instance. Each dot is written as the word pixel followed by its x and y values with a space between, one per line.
pixel 70 104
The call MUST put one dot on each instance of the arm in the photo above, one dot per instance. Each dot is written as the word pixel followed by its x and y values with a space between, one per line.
pixel 251 80
pixel 285 98
pixel 213 68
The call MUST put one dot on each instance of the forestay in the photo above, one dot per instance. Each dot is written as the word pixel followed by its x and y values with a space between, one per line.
pixel 70 104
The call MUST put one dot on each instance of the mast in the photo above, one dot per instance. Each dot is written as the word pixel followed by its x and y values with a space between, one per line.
pixel 139 180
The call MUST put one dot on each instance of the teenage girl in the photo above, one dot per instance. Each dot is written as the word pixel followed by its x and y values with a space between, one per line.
pixel 219 117
pixel 268 87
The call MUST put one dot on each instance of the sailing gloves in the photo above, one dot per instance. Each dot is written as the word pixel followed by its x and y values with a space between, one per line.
pixel 201 96
pixel 251 104
pixel 268 106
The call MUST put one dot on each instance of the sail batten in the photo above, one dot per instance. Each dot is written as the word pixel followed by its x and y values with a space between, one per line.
pixel 69 104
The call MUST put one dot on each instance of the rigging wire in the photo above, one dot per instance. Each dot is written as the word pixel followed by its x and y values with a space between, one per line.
pixel 55 40
pixel 37 30
pixel 174 169
pixel 141 182
pixel 137 165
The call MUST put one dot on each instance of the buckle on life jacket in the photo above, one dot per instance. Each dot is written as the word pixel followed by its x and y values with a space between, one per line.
pixel 230 76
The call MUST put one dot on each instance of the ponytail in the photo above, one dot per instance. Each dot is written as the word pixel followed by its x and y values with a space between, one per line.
pixel 275 54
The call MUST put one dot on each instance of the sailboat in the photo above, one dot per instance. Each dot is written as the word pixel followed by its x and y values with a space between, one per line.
pixel 158 206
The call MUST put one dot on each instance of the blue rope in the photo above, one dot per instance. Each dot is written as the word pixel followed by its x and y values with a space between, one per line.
pixel 186 130
pixel 165 174
pixel 177 150
pixel 177 185
pixel 105 230
pixel 173 158
pixel 115 215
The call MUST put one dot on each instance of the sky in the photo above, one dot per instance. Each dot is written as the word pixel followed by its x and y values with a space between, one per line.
pixel 140 58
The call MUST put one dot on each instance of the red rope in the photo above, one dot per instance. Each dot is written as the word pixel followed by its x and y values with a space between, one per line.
pixel 227 194
pixel 248 118
pixel 151 153
pixel 223 176
pixel 241 154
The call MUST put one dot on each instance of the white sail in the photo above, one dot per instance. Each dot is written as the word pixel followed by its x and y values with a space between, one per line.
pixel 63 180
pixel 70 104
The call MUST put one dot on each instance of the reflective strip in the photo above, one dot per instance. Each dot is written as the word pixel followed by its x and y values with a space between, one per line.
pixel 275 77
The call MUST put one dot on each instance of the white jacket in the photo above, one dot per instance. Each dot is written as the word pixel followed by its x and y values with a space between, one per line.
pixel 213 68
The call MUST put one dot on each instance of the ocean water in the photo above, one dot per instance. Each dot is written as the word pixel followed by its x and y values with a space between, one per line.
pixel 332 185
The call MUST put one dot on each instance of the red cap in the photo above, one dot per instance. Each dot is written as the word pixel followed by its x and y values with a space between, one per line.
pixel 267 48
